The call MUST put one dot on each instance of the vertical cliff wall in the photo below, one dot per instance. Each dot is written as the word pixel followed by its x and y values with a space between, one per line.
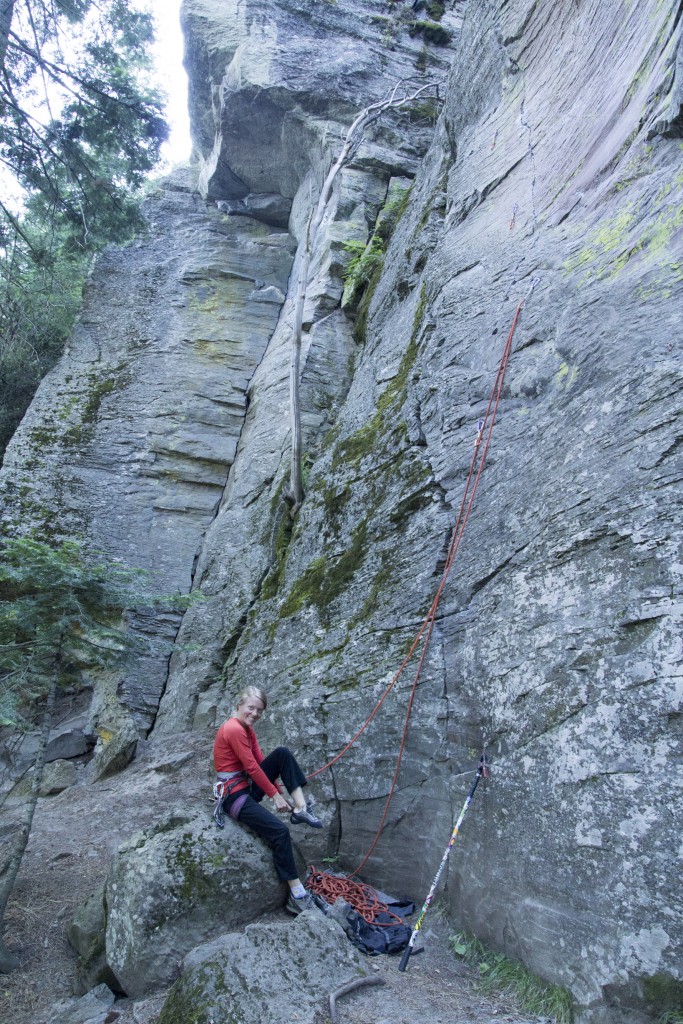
pixel 556 161
pixel 553 172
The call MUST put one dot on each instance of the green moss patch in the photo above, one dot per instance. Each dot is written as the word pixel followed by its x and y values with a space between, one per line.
pixel 192 884
pixel 385 423
pixel 187 1002
pixel 431 31
pixel 326 578
pixel 98 384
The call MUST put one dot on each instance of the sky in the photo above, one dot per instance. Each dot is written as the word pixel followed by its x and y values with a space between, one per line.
pixel 171 76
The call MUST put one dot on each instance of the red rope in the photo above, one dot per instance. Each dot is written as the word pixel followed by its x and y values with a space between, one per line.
pixel 361 897
pixel 430 618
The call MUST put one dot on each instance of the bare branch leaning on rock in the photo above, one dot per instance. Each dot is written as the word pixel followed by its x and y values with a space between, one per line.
pixel 350 986
pixel 354 137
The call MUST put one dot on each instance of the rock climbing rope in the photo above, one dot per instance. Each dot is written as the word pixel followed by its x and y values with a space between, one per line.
pixel 363 898
pixel 484 431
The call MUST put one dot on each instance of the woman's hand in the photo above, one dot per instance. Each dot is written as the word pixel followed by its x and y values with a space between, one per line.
pixel 281 805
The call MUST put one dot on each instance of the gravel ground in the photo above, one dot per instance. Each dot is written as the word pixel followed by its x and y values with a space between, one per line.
pixel 436 988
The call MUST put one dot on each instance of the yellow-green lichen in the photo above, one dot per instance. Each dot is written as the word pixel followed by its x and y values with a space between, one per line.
pixel 612 246
pixel 566 376
pixel 662 285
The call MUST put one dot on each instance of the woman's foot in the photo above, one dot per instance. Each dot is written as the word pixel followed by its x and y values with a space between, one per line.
pixel 304 816
pixel 296 905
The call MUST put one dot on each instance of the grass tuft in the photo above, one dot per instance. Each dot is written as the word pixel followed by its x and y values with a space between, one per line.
pixel 501 973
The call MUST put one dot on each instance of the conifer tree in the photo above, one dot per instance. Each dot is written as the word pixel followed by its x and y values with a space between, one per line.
pixel 80 128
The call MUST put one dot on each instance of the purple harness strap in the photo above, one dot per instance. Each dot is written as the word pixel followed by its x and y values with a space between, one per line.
pixel 237 805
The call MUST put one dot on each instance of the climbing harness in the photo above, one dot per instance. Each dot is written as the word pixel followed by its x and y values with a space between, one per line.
pixel 481 445
pixel 482 772
pixel 222 787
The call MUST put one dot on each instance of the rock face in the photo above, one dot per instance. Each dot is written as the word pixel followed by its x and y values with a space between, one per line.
pixel 130 439
pixel 270 973
pixel 553 175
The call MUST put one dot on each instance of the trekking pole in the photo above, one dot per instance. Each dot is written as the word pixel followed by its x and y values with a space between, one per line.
pixel 482 772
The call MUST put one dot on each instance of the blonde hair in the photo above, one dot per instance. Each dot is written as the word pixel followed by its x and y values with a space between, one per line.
pixel 252 691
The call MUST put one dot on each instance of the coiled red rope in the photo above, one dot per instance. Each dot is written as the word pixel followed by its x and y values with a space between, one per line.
pixel 360 896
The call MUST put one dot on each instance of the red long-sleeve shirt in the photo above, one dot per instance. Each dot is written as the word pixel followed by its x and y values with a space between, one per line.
pixel 236 749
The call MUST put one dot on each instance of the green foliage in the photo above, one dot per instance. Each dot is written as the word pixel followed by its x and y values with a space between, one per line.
pixel 664 998
pixel 39 306
pixel 364 269
pixel 393 209
pixel 498 972
pixel 80 129
pixel 423 60
pixel 61 613
pixel 365 260
pixel 434 8
pixel 79 124
pixel 428 111
pixel 368 258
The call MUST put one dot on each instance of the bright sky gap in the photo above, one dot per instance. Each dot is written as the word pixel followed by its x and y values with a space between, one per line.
pixel 171 76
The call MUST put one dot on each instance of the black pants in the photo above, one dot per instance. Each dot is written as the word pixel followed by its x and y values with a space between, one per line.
pixel 280 763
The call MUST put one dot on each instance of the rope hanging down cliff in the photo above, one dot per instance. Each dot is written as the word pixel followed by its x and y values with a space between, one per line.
pixel 484 431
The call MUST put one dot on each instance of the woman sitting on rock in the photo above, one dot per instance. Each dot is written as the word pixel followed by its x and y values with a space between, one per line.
pixel 244 776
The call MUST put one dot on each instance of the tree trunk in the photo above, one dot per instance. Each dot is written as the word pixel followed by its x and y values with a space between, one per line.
pixel 296 493
pixel 8 961
pixel 6 12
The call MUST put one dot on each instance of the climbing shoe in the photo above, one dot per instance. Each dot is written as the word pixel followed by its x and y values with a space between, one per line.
pixel 305 817
pixel 297 906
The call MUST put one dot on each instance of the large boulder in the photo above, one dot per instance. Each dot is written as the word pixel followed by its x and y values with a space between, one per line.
pixel 115 748
pixel 271 973
pixel 57 776
pixel 177 885
pixel 69 739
